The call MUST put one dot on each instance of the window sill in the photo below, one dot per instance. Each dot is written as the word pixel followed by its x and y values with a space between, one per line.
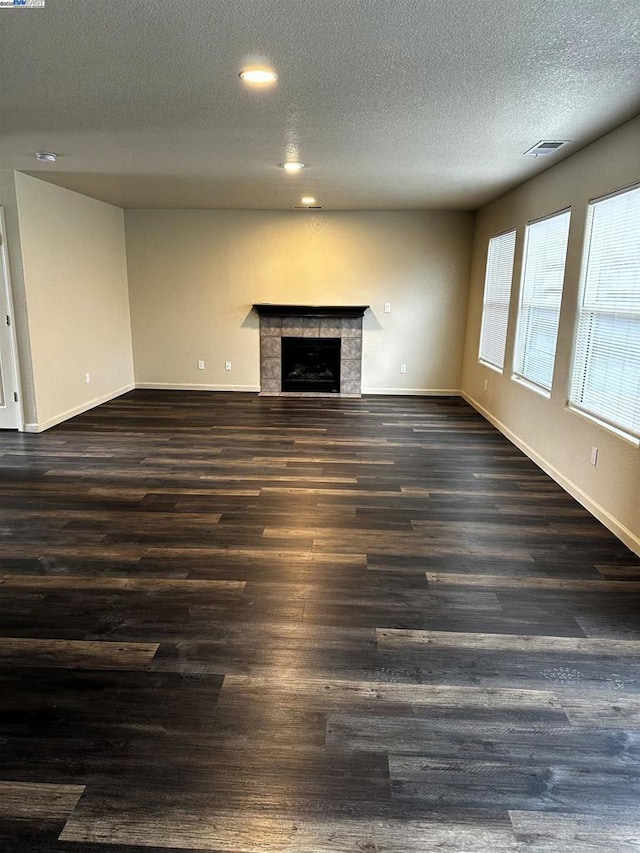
pixel 495 369
pixel 625 436
pixel 531 386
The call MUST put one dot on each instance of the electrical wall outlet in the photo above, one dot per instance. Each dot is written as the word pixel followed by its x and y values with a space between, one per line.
pixel 594 456
pixel 200 365
pixel 486 384
pixel 87 378
pixel 227 365
pixel 403 368
pixel 387 308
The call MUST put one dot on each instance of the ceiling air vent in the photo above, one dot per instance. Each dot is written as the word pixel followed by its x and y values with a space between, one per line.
pixel 545 147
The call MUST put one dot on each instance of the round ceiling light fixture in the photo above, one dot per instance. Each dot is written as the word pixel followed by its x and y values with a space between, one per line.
pixel 258 76
pixel 292 166
pixel 46 157
pixel 307 199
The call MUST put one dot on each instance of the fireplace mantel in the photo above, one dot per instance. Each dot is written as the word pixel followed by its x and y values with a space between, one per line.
pixel 269 309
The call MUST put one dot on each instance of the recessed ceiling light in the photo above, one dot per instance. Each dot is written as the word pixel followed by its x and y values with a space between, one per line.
pixel 46 157
pixel 292 166
pixel 258 76
pixel 308 199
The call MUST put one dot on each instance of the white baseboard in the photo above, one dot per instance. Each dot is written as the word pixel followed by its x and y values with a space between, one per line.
pixel 415 392
pixel 610 522
pixel 184 386
pixel 41 426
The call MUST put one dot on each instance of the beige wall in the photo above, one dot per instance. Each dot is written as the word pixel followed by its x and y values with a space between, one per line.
pixel 75 287
pixel 558 439
pixel 194 275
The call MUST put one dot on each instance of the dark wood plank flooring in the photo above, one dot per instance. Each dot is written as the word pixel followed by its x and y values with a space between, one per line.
pixel 272 625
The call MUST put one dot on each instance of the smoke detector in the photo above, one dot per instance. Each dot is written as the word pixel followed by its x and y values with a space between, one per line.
pixel 46 157
pixel 546 147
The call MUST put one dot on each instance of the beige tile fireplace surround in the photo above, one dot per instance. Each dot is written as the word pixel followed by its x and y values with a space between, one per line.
pixel 310 321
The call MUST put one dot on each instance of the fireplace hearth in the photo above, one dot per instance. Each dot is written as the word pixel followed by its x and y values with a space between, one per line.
pixel 311 364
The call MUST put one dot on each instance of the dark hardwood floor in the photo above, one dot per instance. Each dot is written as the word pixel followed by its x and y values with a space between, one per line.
pixel 274 625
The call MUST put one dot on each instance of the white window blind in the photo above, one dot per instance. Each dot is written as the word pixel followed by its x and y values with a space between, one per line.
pixel 541 295
pixel 497 291
pixel 605 376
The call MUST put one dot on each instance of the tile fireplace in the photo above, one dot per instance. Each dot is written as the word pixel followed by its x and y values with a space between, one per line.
pixel 340 323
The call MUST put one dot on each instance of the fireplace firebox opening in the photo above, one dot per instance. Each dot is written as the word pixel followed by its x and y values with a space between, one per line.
pixel 311 364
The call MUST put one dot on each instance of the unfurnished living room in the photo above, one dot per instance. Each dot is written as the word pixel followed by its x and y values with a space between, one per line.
pixel 319 426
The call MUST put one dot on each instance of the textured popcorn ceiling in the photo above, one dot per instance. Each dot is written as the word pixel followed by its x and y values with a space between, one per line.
pixel 393 104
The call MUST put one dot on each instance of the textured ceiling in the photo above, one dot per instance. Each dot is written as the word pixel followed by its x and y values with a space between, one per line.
pixel 393 104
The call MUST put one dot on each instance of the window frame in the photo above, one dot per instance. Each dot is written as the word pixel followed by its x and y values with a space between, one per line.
pixel 597 417
pixel 524 326
pixel 497 303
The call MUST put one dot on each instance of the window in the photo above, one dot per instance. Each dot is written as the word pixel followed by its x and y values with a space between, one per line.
pixel 605 376
pixel 497 290
pixel 537 331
